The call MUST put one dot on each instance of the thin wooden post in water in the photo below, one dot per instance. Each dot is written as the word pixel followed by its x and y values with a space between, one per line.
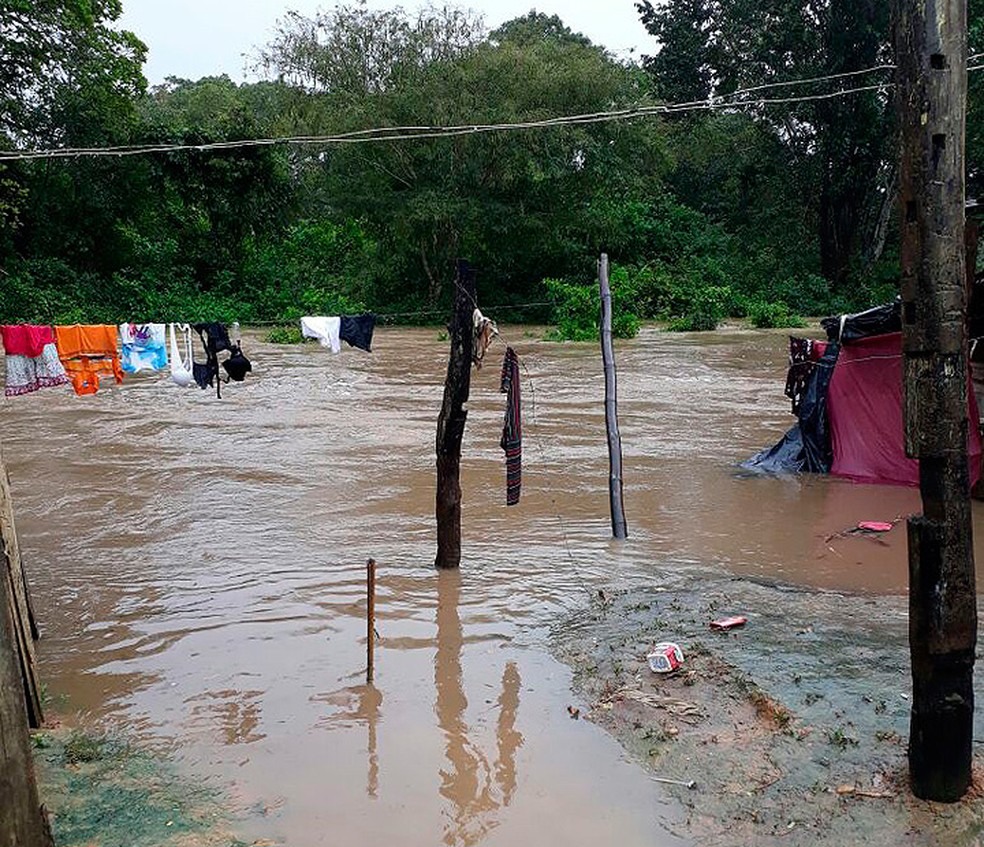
pixel 22 819
pixel 24 629
pixel 451 422
pixel 931 50
pixel 619 527
pixel 370 620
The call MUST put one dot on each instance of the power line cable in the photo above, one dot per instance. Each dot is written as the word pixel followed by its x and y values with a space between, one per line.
pixel 378 134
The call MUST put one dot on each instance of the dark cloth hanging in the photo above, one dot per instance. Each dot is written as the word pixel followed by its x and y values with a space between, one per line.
pixel 357 331
pixel 215 339
pixel 512 429
pixel 237 365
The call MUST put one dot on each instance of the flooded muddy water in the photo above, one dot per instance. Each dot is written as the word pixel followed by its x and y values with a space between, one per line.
pixel 198 567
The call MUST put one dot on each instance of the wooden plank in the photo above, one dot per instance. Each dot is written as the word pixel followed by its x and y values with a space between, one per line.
pixel 22 819
pixel 20 607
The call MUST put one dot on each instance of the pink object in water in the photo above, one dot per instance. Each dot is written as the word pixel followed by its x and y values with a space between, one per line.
pixel 875 526
pixel 729 623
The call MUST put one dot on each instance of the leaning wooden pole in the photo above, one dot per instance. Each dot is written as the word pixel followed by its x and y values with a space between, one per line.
pixel 619 528
pixel 931 49
pixel 22 819
pixel 451 422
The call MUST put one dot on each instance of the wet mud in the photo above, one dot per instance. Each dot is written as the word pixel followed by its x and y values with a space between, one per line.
pixel 793 727
pixel 198 567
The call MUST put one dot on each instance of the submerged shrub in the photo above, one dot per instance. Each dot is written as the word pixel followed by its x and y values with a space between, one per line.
pixel 773 316
pixel 706 310
pixel 284 335
pixel 577 309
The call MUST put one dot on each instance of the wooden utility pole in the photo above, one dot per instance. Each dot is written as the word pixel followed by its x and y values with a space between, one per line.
pixel 451 422
pixel 931 50
pixel 22 819
pixel 619 528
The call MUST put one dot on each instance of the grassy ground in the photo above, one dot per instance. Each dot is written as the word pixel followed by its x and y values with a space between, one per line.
pixel 102 792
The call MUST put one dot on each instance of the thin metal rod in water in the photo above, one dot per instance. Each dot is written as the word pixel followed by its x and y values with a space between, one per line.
pixel 619 528
pixel 370 620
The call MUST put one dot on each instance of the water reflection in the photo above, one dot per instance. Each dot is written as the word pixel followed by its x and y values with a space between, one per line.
pixel 358 705
pixel 236 714
pixel 474 789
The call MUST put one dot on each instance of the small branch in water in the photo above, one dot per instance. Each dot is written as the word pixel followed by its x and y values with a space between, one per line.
pixel 690 784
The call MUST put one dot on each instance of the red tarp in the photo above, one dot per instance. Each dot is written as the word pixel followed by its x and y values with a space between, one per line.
pixel 865 407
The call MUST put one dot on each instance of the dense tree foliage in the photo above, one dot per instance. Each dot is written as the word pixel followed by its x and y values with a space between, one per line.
pixel 768 211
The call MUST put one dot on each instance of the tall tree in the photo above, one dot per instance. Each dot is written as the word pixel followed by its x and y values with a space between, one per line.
pixel 840 145
pixel 521 205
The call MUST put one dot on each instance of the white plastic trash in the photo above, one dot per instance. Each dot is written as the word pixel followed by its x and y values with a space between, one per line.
pixel 665 658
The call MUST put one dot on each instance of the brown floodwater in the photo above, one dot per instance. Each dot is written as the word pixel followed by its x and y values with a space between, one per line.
pixel 198 567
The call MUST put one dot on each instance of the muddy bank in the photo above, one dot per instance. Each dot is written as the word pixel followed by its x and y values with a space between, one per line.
pixel 794 728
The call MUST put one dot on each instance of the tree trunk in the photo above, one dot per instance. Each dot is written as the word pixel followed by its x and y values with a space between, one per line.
pixel 931 42
pixel 451 423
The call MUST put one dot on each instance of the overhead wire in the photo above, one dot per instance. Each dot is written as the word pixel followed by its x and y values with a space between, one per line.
pixel 731 100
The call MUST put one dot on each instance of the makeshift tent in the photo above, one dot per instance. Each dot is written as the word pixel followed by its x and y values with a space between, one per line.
pixel 847 396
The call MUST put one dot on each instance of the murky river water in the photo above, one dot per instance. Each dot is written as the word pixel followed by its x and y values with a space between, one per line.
pixel 198 567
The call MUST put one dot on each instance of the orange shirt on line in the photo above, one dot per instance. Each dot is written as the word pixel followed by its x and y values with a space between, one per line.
pixel 86 351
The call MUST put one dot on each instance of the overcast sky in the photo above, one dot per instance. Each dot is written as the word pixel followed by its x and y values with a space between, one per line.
pixel 196 38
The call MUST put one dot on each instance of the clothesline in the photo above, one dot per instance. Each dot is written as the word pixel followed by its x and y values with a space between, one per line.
pixel 43 356
pixel 380 316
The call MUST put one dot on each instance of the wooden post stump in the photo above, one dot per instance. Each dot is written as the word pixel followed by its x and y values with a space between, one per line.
pixel 451 422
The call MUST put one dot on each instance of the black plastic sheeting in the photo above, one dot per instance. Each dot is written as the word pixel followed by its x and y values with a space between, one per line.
pixel 881 320
pixel 807 446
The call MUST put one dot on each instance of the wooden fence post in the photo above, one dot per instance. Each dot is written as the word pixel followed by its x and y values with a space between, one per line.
pixel 21 613
pixel 619 527
pixel 22 819
pixel 451 422
pixel 931 51
pixel 370 620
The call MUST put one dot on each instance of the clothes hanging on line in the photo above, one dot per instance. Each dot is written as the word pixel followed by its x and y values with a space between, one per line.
pixel 332 331
pixel 32 359
pixel 237 365
pixel 484 330
pixel 88 351
pixel 512 429
pixel 357 331
pixel 181 372
pixel 215 339
pixel 144 347
pixel 26 339
pixel 324 330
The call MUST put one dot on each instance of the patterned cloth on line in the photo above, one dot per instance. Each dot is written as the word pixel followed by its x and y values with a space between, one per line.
pixel 26 374
pixel 512 429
